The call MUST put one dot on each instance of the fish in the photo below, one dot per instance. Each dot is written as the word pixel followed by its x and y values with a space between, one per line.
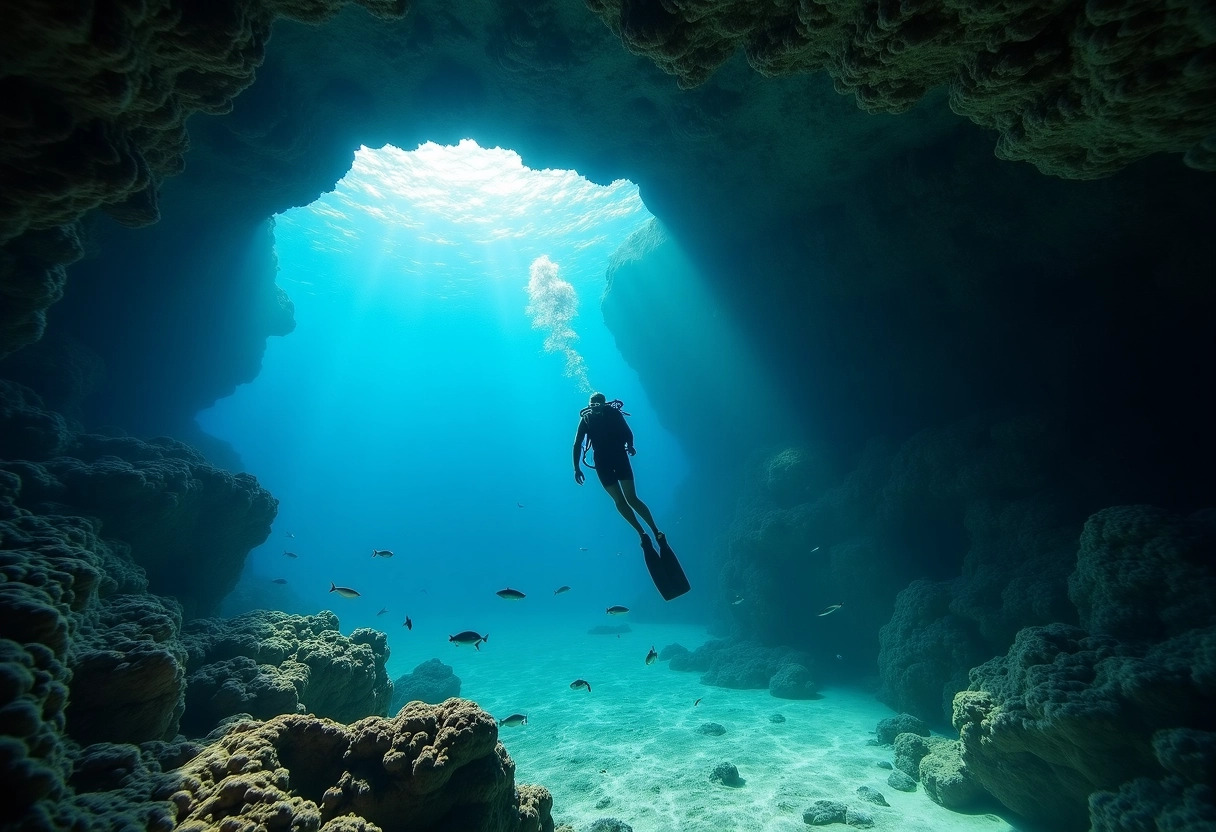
pixel 469 637
pixel 738 600
pixel 582 548
pixel 521 505
pixel 344 591
pixel 617 610
pixel 830 610
pixel 513 720
pixel 292 535
pixel 279 581
pixel 381 553
pixel 695 704
pixel 579 684
pixel 288 554
pixel 816 549
pixel 509 594
pixel 383 610
pixel 561 589
pixel 839 657
pixel 408 623
pixel 652 656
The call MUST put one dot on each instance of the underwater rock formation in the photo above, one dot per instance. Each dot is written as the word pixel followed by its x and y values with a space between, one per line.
pixel 1181 801
pixel 430 768
pixel 102 99
pixel 1067 712
pixel 431 681
pixel 984 503
pixel 891 727
pixel 1078 92
pixel 188 524
pixel 267 663
pixel 745 665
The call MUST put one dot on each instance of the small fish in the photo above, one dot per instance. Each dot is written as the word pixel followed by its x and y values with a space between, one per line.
pixel 816 549
pixel 381 553
pixel 292 535
pixel 521 505
pixel 469 637
pixel 579 684
pixel 652 656
pixel 738 600
pixel 561 589
pixel 288 554
pixel 582 548
pixel 408 623
pixel 617 610
pixel 695 704
pixel 383 610
pixel 344 591
pixel 279 581
pixel 839 657
pixel 830 610
pixel 513 720
pixel 509 594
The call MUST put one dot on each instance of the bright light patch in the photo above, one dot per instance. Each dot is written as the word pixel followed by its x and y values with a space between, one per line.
pixel 489 193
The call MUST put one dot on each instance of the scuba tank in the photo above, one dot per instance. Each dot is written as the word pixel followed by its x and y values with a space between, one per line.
pixel 597 411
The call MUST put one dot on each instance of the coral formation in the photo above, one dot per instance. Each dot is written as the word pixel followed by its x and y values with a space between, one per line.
pixel 428 768
pixel 188 525
pixel 1067 713
pixel 267 663
pixel 747 665
pixel 97 104
pixel 726 774
pixel 1079 91
pixel 431 681
pixel 891 727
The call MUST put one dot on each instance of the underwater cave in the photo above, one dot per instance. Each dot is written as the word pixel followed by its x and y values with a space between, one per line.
pixel 910 307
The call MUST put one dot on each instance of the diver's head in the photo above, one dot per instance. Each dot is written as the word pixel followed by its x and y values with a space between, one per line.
pixel 598 398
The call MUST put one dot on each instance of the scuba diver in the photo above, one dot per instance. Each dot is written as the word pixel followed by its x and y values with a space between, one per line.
pixel 602 428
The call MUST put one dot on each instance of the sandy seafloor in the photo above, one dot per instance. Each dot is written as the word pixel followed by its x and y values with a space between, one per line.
pixel 630 748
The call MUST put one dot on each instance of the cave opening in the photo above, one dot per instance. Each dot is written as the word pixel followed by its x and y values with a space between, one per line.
pixel 447 330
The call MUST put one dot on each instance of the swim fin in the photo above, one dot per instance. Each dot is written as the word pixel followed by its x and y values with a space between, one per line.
pixel 665 570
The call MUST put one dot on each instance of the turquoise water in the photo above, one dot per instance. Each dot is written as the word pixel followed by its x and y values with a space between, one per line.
pixel 416 408
pixel 448 333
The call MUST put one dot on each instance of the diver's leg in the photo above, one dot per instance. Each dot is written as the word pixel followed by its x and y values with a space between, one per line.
pixel 614 491
pixel 631 497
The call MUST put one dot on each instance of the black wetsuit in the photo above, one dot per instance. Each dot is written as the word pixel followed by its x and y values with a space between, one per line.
pixel 609 434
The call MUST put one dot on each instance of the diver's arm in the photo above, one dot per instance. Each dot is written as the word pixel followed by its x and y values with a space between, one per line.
pixel 578 450
pixel 628 438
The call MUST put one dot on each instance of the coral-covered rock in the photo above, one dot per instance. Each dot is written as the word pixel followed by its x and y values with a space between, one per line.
pixel 430 768
pixel 891 727
pixel 824 812
pixel 742 665
pixel 187 523
pixel 268 662
pixel 910 749
pixel 793 681
pixel 946 780
pixel 431 681
pixel 1182 801
pixel 1066 714
pixel 726 774
pixel 128 672
pixel 926 650
pixel 1144 573
pixel 1067 90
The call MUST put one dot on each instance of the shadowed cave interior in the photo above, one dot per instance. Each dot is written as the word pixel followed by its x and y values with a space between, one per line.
pixel 973 246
